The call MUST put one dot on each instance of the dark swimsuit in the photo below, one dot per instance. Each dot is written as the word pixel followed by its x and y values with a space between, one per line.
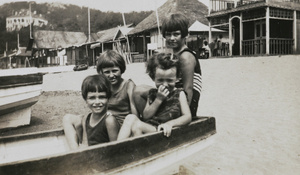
pixel 97 134
pixel 197 83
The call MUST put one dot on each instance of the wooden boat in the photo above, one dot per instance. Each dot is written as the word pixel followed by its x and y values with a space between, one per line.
pixel 80 67
pixel 19 90
pixel 47 153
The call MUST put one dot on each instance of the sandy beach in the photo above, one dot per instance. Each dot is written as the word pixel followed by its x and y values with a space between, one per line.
pixel 255 101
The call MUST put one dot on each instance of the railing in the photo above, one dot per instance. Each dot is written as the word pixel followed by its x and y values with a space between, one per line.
pixel 254 47
pixel 281 46
pixel 219 5
pixel 278 46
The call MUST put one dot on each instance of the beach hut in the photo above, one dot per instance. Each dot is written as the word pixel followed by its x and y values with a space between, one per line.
pixel 58 47
pixel 114 39
pixel 258 27
pixel 148 29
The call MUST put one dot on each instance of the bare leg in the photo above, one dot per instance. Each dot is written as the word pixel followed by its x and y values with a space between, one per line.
pixel 125 131
pixel 139 128
pixel 140 97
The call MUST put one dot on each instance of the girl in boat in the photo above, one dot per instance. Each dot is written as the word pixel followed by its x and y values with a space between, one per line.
pixel 99 126
pixel 175 31
pixel 166 105
pixel 112 65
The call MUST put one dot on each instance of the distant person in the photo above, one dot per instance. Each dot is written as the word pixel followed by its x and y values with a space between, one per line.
pixel 175 31
pixel 166 107
pixel 99 126
pixel 206 49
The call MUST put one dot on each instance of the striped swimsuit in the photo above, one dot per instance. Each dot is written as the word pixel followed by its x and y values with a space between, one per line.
pixel 197 83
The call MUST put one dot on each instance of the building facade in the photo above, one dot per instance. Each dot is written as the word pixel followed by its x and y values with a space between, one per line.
pixel 258 27
pixel 23 19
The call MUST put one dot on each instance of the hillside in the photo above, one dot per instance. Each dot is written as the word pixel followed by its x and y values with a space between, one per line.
pixel 63 17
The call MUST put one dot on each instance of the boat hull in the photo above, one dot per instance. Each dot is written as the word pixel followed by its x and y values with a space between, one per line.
pixel 118 156
pixel 19 90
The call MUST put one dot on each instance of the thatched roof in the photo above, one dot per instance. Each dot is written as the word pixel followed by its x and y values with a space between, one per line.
pixel 53 39
pixel 193 9
pixel 107 35
pixel 112 34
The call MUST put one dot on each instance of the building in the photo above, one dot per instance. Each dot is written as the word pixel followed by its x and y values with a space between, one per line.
pixel 148 29
pixel 258 27
pixel 23 19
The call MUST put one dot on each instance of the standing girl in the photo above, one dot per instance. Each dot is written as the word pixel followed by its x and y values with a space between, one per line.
pixel 166 106
pixel 175 31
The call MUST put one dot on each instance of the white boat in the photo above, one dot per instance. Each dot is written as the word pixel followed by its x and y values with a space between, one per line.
pixel 19 90
pixel 48 153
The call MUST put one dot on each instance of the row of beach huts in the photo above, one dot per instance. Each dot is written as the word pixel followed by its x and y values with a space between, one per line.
pixel 249 27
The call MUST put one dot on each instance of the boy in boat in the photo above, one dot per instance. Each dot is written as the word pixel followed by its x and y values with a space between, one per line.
pixel 99 126
pixel 166 106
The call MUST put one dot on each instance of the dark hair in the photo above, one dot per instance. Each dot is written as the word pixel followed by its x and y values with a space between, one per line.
pixel 163 61
pixel 175 22
pixel 111 58
pixel 95 83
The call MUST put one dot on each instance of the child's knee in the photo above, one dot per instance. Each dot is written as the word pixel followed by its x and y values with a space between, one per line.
pixel 130 119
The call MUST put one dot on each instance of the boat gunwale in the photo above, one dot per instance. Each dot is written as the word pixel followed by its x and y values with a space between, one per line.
pixel 118 152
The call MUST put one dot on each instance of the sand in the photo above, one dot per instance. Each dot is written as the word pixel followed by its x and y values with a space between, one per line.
pixel 255 101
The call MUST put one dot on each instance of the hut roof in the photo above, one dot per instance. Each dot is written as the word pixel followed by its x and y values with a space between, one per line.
pixel 107 35
pixel 53 39
pixel 113 33
pixel 193 9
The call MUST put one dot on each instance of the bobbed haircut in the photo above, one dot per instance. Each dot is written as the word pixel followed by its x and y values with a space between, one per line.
pixel 163 61
pixel 175 21
pixel 111 58
pixel 95 83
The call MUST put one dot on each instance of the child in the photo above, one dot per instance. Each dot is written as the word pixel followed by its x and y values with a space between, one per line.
pixel 175 31
pixel 97 127
pixel 112 65
pixel 166 106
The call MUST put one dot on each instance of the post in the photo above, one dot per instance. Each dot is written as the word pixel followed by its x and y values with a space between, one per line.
pixel 295 31
pixel 268 30
pixel 89 25
pixel 230 37
pixel 30 27
pixel 241 34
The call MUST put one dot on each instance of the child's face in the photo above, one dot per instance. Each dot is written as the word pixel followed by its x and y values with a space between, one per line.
pixel 174 39
pixel 166 78
pixel 97 102
pixel 113 74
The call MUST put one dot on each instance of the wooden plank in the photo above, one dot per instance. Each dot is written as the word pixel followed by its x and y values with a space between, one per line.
pixel 20 80
pixel 113 155
pixel 15 119
pixel 18 105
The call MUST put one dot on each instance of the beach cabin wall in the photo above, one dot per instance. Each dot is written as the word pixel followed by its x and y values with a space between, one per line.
pixel 260 27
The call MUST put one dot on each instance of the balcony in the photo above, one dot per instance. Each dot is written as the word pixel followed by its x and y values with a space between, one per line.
pixel 221 5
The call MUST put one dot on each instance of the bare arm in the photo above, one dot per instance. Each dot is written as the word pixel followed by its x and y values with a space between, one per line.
pixel 184 119
pixel 151 109
pixel 130 89
pixel 72 125
pixel 112 127
pixel 187 65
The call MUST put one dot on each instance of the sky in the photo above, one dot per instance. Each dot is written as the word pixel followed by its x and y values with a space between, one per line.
pixel 110 5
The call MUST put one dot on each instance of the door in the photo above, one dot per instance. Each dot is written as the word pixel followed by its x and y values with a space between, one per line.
pixel 260 37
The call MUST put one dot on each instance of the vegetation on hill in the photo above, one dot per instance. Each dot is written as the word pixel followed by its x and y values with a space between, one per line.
pixel 62 17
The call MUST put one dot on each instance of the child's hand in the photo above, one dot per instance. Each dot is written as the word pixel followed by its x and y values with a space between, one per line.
pixel 167 129
pixel 162 92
